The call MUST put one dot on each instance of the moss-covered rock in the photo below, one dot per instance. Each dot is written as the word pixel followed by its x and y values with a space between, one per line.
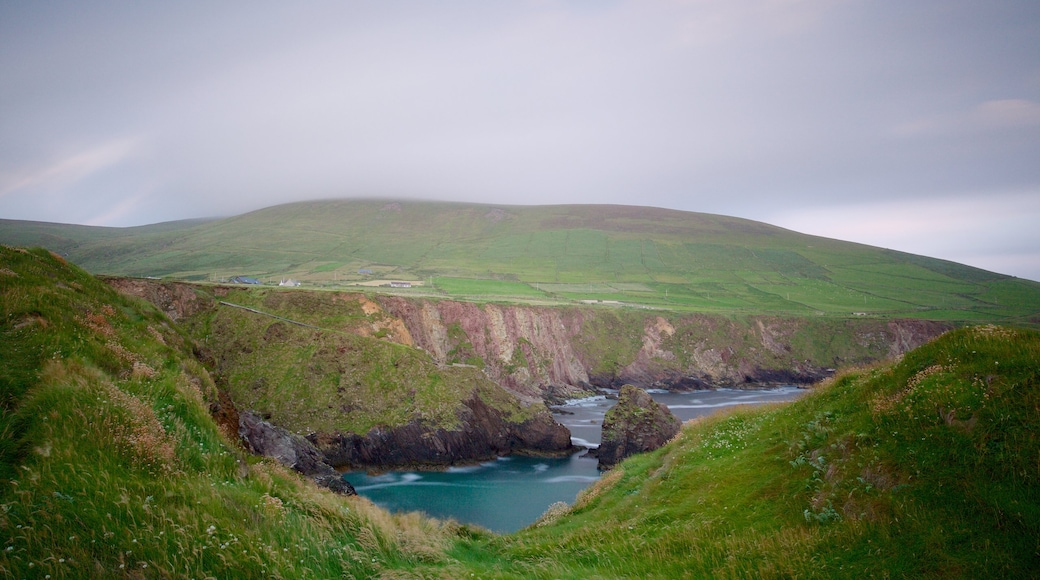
pixel 635 425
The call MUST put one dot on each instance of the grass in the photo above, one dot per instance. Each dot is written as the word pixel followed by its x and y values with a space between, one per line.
pixel 923 469
pixel 487 289
pixel 111 467
pixel 345 376
pixel 679 261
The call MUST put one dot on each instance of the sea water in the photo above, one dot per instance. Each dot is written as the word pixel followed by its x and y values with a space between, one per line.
pixel 511 492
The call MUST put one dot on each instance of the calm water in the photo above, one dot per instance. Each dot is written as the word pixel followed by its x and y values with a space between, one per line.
pixel 511 492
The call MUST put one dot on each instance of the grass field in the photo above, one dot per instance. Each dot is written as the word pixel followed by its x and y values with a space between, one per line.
pixel 644 256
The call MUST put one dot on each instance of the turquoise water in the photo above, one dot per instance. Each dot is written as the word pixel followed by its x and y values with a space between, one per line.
pixel 511 492
pixel 503 495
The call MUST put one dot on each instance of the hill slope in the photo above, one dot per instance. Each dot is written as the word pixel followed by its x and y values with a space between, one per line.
pixel 111 466
pixel 645 256
pixel 927 468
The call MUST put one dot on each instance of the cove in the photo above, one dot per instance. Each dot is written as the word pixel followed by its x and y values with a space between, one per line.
pixel 502 495
pixel 511 492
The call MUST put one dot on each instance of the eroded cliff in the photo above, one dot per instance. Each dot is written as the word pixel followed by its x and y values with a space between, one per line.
pixel 388 380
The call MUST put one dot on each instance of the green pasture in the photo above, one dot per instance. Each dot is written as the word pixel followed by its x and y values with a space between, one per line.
pixel 490 289
pixel 690 261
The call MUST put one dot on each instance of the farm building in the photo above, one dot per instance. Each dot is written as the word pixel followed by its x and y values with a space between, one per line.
pixel 244 280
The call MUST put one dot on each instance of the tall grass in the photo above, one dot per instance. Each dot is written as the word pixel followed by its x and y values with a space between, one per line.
pixel 922 469
pixel 112 466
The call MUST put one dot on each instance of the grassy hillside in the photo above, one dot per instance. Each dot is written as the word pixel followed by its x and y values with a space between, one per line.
pixel 111 467
pixel 923 469
pixel 555 254
pixel 330 377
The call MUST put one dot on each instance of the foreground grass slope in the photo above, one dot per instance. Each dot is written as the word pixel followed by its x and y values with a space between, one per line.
pixel 551 254
pixel 927 468
pixel 111 466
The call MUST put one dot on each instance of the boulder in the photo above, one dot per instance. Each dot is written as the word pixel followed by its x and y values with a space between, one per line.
pixel 635 425
pixel 290 450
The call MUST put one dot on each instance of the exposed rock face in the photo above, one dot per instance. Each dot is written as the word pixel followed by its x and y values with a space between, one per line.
pixel 175 299
pixel 527 350
pixel 290 450
pixel 485 434
pixel 635 425
pixel 536 352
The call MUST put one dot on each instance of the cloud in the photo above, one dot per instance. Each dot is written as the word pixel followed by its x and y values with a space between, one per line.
pixel 745 107
pixel 996 115
pixel 706 22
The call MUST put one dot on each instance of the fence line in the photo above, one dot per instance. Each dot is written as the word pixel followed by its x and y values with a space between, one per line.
pixel 255 311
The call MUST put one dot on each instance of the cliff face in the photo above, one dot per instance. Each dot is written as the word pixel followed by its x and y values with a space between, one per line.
pixel 176 300
pixel 547 353
pixel 387 380
pixel 528 350
pixel 550 353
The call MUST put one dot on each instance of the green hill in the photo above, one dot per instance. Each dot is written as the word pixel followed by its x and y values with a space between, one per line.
pixel 550 254
pixel 112 467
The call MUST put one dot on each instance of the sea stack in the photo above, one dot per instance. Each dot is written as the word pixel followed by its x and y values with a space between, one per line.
pixel 635 425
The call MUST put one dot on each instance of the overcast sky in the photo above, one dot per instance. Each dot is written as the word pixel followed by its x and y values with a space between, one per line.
pixel 908 124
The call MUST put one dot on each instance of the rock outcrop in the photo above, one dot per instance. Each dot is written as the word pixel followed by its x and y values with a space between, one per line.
pixel 176 299
pixel 485 434
pixel 528 350
pixel 635 425
pixel 290 450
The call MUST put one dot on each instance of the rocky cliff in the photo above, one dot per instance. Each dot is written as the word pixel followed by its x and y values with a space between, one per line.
pixel 529 350
pixel 542 352
pixel 290 450
pixel 375 379
pixel 553 352
pixel 483 433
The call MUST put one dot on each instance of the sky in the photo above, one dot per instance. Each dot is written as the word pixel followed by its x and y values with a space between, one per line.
pixel 906 125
